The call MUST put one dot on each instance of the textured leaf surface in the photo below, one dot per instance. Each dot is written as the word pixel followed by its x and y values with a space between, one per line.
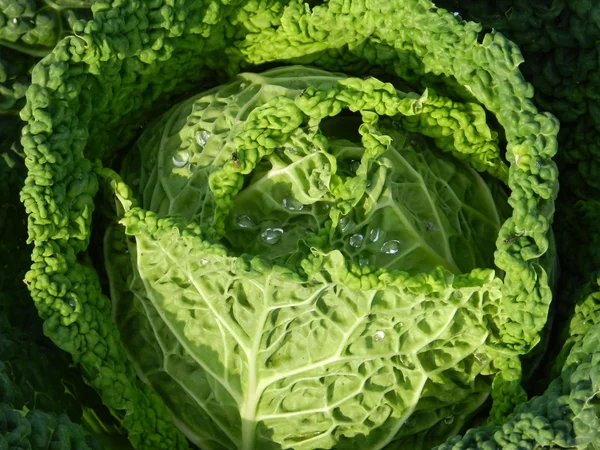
pixel 92 93
pixel 252 356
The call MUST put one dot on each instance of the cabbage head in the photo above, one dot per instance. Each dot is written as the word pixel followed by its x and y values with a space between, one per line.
pixel 281 225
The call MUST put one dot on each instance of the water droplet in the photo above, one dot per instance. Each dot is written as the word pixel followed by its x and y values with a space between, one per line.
pixel 363 261
pixel 379 336
pixel 413 141
pixel 244 222
pixel 346 223
pixel 391 247
pixel 202 137
pixel 271 235
pixel 292 204
pixel 356 240
pixel 400 324
pixel 15 20
pixel 325 206
pixel 482 358
pixel 204 262
pixel 456 13
pixel 354 165
pixel 457 294
pixel 181 159
pixel 292 150
pixel 375 234
pixel 410 422
pixel 429 225
pixel 449 420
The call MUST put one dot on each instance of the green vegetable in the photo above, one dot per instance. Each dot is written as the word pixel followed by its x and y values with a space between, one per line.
pixel 349 250
pixel 351 314
pixel 281 224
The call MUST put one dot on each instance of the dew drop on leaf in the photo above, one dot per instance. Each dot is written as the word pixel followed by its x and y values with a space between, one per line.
pixel 390 247
pixel 379 336
pixel 449 420
pixel 363 261
pixel 346 223
pixel 375 234
pixel 244 222
pixel 356 240
pixel 202 137
pixel 271 235
pixel 181 159
pixel 482 358
pixel 291 204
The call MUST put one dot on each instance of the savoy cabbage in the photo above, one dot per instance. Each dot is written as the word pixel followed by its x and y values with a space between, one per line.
pixel 327 289
pixel 271 224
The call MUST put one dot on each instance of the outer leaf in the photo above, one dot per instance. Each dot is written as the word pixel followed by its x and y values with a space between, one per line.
pixel 565 416
pixel 44 404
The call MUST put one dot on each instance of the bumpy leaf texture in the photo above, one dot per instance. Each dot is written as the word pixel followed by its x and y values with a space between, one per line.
pixel 92 93
pixel 293 348
pixel 43 402
pixel 559 42
pixel 565 416
pixel 29 30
